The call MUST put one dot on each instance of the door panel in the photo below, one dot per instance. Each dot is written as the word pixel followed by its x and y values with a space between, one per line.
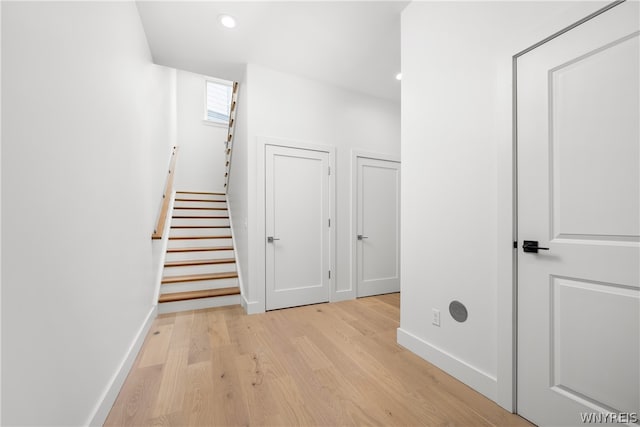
pixel 583 309
pixel 579 196
pixel 297 212
pixel 378 222
pixel 594 139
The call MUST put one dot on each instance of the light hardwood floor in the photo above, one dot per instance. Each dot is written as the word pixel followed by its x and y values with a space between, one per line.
pixel 328 364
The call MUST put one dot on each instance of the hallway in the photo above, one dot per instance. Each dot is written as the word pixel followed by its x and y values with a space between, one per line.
pixel 325 364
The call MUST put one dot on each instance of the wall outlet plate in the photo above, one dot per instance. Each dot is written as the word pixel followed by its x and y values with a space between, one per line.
pixel 435 317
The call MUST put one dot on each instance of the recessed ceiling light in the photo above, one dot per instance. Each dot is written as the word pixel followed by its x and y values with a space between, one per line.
pixel 399 76
pixel 227 21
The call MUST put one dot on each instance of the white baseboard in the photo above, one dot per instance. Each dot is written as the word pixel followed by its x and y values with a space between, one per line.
pixel 471 376
pixel 109 396
pixel 345 295
pixel 253 307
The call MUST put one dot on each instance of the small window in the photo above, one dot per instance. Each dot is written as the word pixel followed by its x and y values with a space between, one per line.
pixel 217 102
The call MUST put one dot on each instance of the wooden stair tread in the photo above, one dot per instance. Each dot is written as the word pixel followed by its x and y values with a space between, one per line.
pixel 199 217
pixel 199 277
pixel 183 296
pixel 203 249
pixel 199 208
pixel 199 192
pixel 197 237
pixel 200 200
pixel 200 262
pixel 200 226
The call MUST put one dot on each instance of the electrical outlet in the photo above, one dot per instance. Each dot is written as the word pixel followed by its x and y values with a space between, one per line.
pixel 435 319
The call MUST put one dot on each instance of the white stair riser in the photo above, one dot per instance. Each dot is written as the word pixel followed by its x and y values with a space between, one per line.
pixel 200 221
pixel 200 285
pixel 199 243
pixel 195 202
pixel 201 204
pixel 181 256
pixel 200 196
pixel 200 212
pixel 198 304
pixel 207 197
pixel 199 269
pixel 177 232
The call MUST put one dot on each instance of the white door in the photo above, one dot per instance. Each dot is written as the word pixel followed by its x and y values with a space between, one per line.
pixel 378 227
pixel 297 227
pixel 579 196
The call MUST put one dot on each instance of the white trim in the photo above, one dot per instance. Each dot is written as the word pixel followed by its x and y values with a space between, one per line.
pixel 468 374
pixel 235 254
pixel 217 81
pixel 163 249
pixel 353 225
pixel 1 213
pixel 344 295
pixel 254 307
pixel 292 143
pixel 108 398
pixel 259 300
pixel 251 307
pixel 375 156
pixel 215 124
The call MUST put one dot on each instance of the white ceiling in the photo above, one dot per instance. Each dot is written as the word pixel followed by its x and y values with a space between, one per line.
pixel 353 44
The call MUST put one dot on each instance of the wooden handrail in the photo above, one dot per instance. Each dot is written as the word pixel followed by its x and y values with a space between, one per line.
pixel 229 141
pixel 166 197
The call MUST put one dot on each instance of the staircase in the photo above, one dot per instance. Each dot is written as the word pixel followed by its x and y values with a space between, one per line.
pixel 200 266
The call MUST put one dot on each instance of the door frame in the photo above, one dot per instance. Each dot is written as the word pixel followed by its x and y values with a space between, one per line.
pixel 259 275
pixel 508 318
pixel 352 292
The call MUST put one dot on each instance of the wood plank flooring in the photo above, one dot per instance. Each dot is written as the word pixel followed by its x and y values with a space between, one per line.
pixel 332 364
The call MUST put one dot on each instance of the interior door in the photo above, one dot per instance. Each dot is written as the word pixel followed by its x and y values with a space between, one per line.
pixel 378 226
pixel 297 227
pixel 578 195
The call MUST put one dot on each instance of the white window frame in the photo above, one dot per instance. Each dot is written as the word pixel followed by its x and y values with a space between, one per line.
pixel 205 118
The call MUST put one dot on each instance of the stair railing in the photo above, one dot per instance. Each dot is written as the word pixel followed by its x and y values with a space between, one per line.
pixel 229 141
pixel 166 196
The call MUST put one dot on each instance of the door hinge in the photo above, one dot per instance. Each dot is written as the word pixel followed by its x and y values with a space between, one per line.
pixel 329 274
pixel 329 222
pixel 515 245
pixel 329 169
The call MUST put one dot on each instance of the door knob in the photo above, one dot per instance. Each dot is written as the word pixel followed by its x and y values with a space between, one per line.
pixel 271 239
pixel 531 246
pixel 360 237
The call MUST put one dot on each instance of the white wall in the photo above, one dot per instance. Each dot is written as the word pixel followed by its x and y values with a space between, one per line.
pixel 200 164
pixel 165 98
pixel 289 107
pixel 457 179
pixel 85 120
